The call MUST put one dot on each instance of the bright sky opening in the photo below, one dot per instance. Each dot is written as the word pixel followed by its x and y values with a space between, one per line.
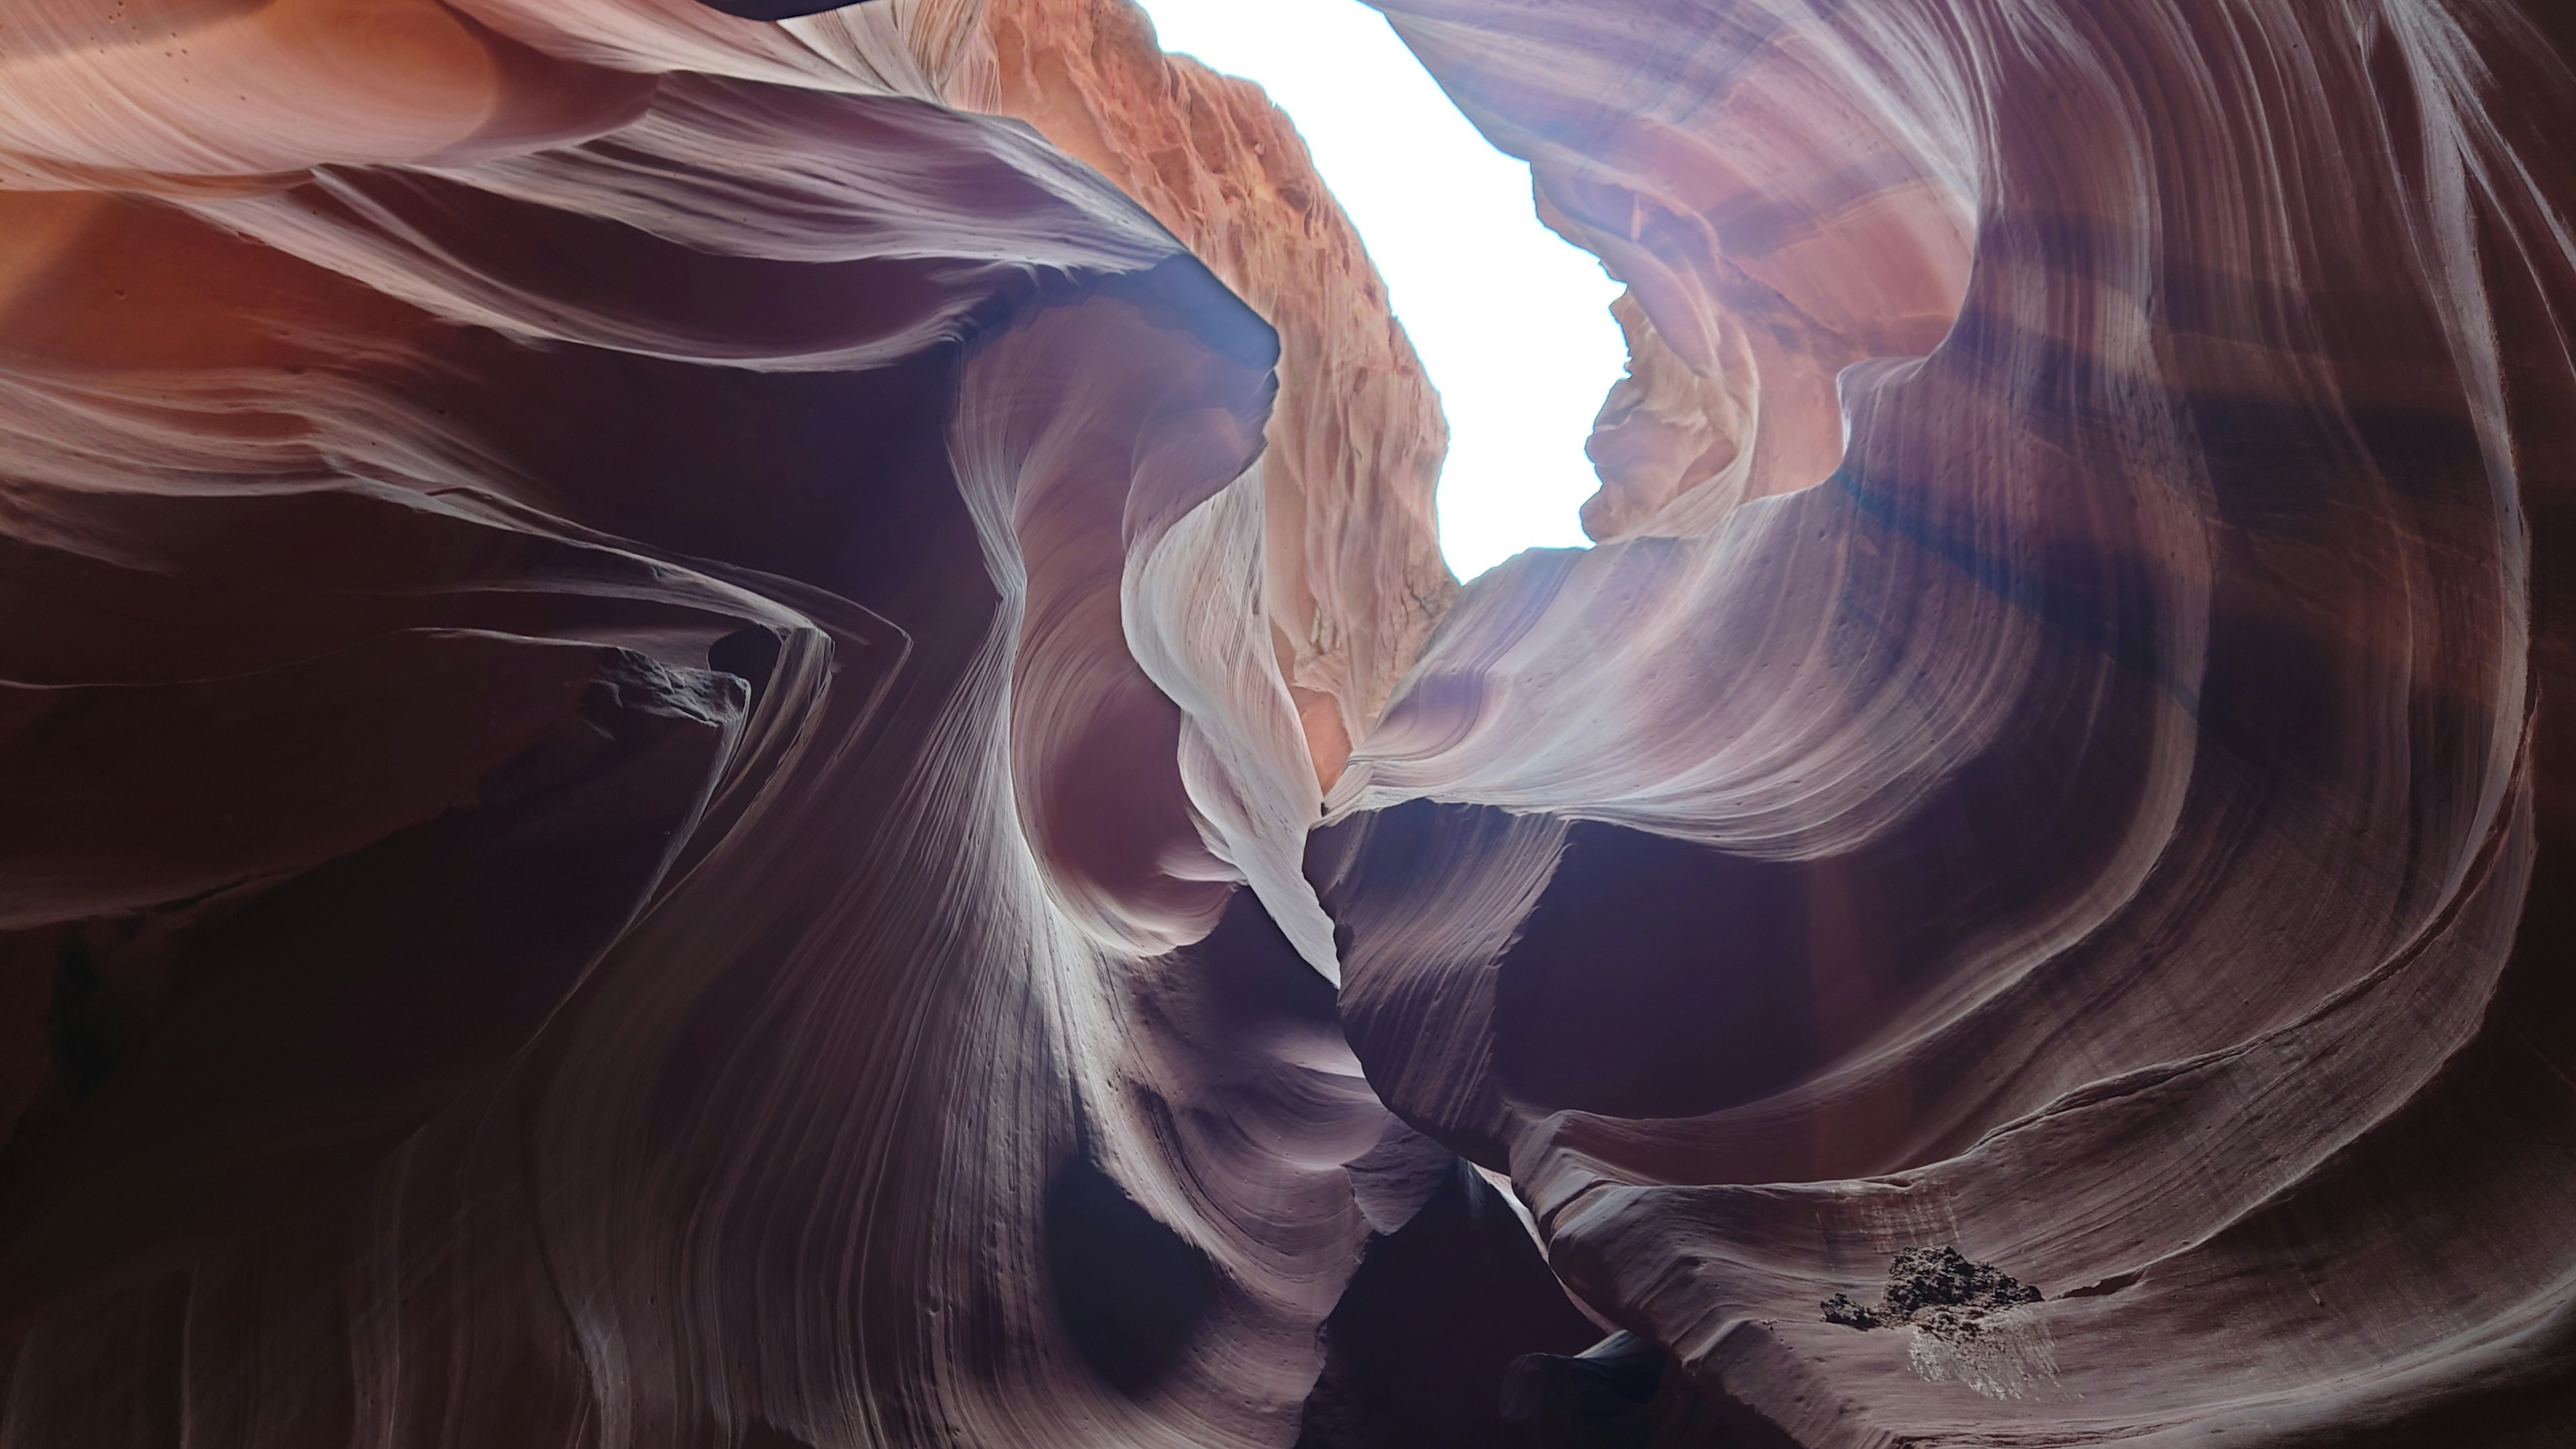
pixel 1512 324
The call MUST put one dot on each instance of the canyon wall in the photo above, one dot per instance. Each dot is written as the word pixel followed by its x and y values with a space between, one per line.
pixel 1354 575
pixel 675 700
pixel 639 684
pixel 2066 758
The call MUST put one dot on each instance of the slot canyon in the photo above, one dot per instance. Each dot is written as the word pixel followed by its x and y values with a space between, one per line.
pixel 735 725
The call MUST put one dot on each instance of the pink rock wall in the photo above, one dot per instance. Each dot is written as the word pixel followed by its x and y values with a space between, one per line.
pixel 636 656
pixel 1353 579
pixel 2078 787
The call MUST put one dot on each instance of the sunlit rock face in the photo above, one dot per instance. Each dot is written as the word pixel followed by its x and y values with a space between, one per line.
pixel 675 703
pixel 1354 578
pixel 2067 758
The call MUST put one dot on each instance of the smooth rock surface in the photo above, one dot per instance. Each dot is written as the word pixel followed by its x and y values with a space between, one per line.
pixel 638 700
pixel 1353 579
pixel 2083 780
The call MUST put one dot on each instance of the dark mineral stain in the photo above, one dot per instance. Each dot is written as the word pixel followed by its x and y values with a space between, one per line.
pixel 1937 1288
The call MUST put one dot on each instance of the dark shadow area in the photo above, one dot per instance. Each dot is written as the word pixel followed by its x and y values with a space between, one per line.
pixel 1657 978
pixel 86 1026
pixel 1251 976
pixel 302 1035
pixel 1415 1353
pixel 1129 1290
pixel 749 653
pixel 1621 1393
pixel 1602 1396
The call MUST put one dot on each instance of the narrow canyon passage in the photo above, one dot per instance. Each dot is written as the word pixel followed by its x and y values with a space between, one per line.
pixel 1514 326
pixel 740 724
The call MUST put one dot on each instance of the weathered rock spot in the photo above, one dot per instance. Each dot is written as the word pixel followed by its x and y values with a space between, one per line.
pixel 1940 1290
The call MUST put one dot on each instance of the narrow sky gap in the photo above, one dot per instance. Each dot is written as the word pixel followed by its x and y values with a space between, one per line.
pixel 1512 324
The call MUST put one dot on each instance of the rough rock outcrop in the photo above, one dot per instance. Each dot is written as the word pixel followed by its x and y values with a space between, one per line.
pixel 658 791
pixel 1354 579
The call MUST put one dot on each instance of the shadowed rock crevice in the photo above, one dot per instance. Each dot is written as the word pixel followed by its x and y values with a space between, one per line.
pixel 1130 1291
pixel 1624 1392
pixel 1418 1350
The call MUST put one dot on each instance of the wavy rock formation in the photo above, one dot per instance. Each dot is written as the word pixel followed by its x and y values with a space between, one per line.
pixel 1353 575
pixel 666 683
pixel 637 663
pixel 2066 760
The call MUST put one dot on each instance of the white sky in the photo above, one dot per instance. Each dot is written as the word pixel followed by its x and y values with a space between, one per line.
pixel 1513 325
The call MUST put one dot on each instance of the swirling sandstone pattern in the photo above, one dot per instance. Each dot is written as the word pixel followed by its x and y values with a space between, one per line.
pixel 637 660
pixel 1353 576
pixel 2068 757
pixel 663 719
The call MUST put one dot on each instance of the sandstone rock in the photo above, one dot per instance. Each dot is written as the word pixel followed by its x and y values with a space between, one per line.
pixel 1353 579
pixel 1974 820
pixel 634 660
pixel 658 791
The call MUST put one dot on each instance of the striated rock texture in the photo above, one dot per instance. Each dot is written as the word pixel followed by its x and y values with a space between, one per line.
pixel 1354 578
pixel 2068 758
pixel 662 724
pixel 638 691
